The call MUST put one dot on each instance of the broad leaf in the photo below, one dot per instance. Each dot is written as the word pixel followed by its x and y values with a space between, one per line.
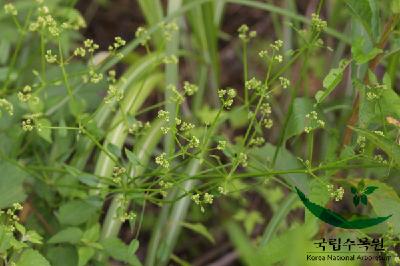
pixel 367 13
pixel 119 251
pixel 75 212
pixel 330 82
pixel 70 235
pixel 32 257
pixel 297 121
pixel 11 189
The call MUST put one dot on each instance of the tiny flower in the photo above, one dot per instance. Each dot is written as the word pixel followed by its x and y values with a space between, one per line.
pixel 258 141
pixel 379 133
pixel 27 125
pixel 95 77
pixel 113 93
pixel 178 121
pixel 244 34
pixel 284 82
pixel 221 145
pixel 221 190
pixel 163 115
pixel 252 84
pixel 170 59
pixel 80 52
pixel 25 94
pixel 10 9
pixel 278 58
pixel 135 127
pixel 50 58
pixel 267 122
pixel 313 122
pixel 162 161
pixel 196 199
pixel 208 198
pixel 164 130
pixel 142 34
pixel 277 45
pixel 242 159
pixel 336 194
pixel 265 109
pixel 127 216
pixel 189 88
pixel 169 29
pixel 263 54
pixel 177 96
pixel 90 45
pixel 317 23
pixel 194 142
pixel 7 106
pixel 186 126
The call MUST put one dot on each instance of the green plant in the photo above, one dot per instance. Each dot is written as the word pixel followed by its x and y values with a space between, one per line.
pixel 129 149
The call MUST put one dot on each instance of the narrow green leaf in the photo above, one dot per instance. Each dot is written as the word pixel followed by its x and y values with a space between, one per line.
pixel 200 229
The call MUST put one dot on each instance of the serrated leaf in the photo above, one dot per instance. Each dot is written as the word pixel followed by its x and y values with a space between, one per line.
pixel 386 202
pixel 353 190
pixel 119 250
pixel 200 229
pixel 32 257
pixel 11 184
pixel 75 212
pixel 43 130
pixel 133 159
pixel 361 56
pixel 133 246
pixel 84 255
pixel 70 235
pixel 33 237
pixel 366 12
pixel 114 150
pixel 392 150
pixel 62 255
pixel 297 121
pixel 285 161
pixel 92 234
pixel 331 80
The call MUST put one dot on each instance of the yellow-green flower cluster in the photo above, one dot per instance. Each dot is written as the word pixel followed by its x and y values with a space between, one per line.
pixel 317 23
pixel 245 34
pixel 314 122
pixel 226 97
pixel 7 106
pixel 50 57
pixel 337 194
pixel 206 198
pixel 143 35
pixel 162 161
pixel 118 173
pixel 169 29
pixel 113 94
pixel 10 9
